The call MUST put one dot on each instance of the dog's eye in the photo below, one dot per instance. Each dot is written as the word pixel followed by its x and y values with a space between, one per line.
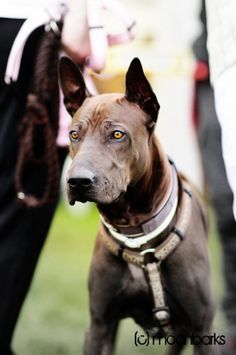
pixel 74 135
pixel 117 134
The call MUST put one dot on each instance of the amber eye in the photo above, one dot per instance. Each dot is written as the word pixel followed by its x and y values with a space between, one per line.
pixel 74 135
pixel 117 134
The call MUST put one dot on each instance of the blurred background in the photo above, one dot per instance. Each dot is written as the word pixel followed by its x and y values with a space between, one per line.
pixel 55 315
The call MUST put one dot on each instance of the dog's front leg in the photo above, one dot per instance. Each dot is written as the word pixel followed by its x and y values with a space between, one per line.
pixel 100 338
pixel 106 289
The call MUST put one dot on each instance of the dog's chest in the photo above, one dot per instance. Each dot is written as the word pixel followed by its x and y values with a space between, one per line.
pixel 138 281
pixel 137 286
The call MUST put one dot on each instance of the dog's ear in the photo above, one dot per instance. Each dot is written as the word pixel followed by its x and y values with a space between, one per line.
pixel 72 84
pixel 139 90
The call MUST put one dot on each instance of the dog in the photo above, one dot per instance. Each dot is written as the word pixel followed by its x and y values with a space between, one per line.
pixel 151 259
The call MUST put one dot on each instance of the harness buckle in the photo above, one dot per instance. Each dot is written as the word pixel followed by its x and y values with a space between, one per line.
pixel 147 251
pixel 149 256
pixel 162 315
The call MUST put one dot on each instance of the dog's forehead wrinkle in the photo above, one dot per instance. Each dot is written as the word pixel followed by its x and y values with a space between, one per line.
pixel 102 113
pixel 98 115
pixel 110 107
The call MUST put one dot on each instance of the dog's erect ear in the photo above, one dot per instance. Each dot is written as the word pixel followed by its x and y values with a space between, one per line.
pixel 72 84
pixel 139 90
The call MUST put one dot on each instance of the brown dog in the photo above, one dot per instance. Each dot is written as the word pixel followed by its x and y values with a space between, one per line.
pixel 150 261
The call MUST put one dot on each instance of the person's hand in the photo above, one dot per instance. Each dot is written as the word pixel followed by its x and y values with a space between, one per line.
pixel 75 36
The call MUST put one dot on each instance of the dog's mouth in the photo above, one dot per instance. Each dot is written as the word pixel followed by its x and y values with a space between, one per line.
pixel 79 196
pixel 91 196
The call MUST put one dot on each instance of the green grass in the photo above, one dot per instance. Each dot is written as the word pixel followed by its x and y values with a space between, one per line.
pixel 55 315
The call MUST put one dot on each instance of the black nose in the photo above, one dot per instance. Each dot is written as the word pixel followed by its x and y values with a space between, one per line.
pixel 82 180
pixel 77 182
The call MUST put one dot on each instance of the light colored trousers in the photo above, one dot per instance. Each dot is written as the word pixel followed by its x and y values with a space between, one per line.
pixel 225 101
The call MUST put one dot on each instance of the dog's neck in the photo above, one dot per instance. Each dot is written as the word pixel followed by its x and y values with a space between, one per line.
pixel 146 196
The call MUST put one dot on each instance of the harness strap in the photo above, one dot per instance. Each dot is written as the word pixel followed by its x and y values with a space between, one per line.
pixel 161 311
pixel 161 252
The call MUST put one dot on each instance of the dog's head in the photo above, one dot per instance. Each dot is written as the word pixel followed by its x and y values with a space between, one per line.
pixel 109 135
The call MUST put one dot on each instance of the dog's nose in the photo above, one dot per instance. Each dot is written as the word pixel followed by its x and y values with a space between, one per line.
pixel 82 180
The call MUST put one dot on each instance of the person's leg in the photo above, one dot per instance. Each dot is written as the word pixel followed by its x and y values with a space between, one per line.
pixel 225 103
pixel 220 194
pixel 22 230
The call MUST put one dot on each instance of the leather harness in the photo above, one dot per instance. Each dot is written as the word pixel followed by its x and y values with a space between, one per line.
pixel 121 245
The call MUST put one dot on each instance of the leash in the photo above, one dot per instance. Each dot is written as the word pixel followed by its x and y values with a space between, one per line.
pixel 141 257
pixel 40 124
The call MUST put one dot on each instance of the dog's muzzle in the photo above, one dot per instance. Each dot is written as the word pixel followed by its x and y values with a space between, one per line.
pixel 80 185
